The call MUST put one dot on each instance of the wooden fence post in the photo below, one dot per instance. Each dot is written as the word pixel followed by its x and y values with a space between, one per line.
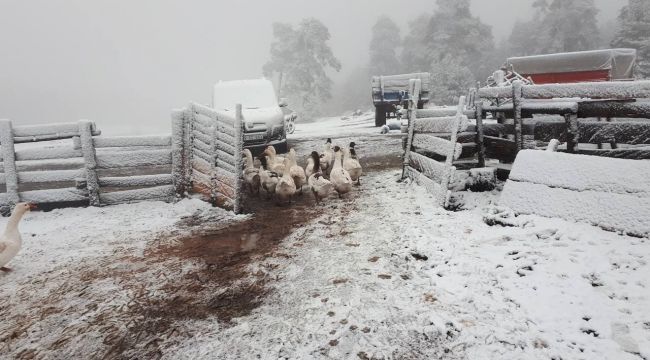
pixel 90 161
pixel 188 116
pixel 480 133
pixel 239 148
pixel 178 150
pixel 449 162
pixel 415 86
pixel 573 132
pixel 9 161
pixel 517 86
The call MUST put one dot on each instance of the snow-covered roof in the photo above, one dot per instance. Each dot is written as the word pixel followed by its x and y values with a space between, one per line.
pixel 619 61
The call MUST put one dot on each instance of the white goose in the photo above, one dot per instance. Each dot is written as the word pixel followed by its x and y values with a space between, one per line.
pixel 351 164
pixel 296 172
pixel 10 242
pixel 318 185
pixel 251 174
pixel 286 188
pixel 327 157
pixel 275 162
pixel 268 179
pixel 339 177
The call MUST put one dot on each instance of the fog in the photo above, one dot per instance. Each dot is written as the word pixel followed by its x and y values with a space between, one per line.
pixel 126 64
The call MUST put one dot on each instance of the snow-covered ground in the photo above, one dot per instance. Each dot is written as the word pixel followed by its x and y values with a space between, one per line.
pixel 380 274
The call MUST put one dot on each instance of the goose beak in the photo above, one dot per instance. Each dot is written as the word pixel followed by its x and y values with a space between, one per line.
pixel 33 206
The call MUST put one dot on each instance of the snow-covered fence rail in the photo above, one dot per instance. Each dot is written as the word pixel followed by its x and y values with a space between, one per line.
pixel 572 102
pixel 210 144
pixel 90 170
pixel 432 136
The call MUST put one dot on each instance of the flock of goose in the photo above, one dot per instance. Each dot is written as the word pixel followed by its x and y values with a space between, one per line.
pixel 335 169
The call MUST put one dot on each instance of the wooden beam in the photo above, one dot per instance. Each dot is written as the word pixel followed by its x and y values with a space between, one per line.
pixel 136 181
pixel 635 154
pixel 177 149
pixel 132 141
pixel 112 160
pixel 238 168
pixel 436 145
pixel 9 161
pixel 480 134
pixel 591 90
pixel 430 168
pixel 516 103
pixel 161 193
pixel 90 161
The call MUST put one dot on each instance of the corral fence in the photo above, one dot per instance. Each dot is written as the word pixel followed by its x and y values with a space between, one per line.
pixel 608 119
pixel 73 165
pixel 209 146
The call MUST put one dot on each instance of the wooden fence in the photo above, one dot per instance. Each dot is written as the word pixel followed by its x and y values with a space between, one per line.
pixel 211 150
pixel 577 109
pixel 432 145
pixel 203 155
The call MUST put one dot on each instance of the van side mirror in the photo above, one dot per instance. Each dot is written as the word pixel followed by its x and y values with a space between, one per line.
pixel 283 102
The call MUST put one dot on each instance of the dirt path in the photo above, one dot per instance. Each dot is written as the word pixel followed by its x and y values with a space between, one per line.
pixel 125 305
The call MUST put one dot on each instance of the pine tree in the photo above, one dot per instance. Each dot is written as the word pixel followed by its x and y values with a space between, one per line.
pixel 302 55
pixel 415 55
pixel 634 32
pixel 383 47
pixel 453 32
pixel 568 25
pixel 449 80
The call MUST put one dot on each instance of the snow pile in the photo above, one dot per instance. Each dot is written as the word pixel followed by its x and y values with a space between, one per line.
pixel 611 193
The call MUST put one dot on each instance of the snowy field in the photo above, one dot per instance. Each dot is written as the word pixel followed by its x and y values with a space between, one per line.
pixel 380 274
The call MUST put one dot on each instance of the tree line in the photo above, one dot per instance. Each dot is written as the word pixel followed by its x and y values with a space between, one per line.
pixel 453 44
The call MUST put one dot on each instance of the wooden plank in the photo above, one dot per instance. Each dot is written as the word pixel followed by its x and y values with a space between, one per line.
pixel 131 141
pixel 201 165
pixel 592 90
pixel 428 167
pixel 480 134
pixel 159 193
pixel 222 146
pixel 51 129
pixel 49 176
pixel 90 161
pixel 239 148
pixel 226 119
pixel 431 186
pixel 414 90
pixel 45 153
pixel 573 133
pixel 595 132
pixel 205 130
pixel 50 164
pixel 54 195
pixel 440 125
pixel 136 181
pixel 635 154
pixel 443 112
pixel 432 144
pixel 615 109
pixel 222 156
pixel 452 155
pixel 612 211
pixel 204 156
pixel 202 146
pixel 500 92
pixel 501 149
pixel 112 160
pixel 201 136
pixel 9 161
pixel 177 149
pixel 517 86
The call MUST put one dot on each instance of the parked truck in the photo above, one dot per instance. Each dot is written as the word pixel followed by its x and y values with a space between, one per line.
pixel 391 92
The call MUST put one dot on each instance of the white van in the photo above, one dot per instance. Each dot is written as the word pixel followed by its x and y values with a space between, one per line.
pixel 263 116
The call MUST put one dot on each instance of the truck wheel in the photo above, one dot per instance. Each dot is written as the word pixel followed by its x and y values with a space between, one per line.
pixel 380 116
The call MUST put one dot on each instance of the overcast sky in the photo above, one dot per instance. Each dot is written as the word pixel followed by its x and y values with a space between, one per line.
pixel 126 63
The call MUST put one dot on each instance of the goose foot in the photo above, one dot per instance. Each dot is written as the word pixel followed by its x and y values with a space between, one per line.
pixel 5 269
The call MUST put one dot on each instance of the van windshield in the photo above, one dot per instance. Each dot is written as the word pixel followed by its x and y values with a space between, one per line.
pixel 252 94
